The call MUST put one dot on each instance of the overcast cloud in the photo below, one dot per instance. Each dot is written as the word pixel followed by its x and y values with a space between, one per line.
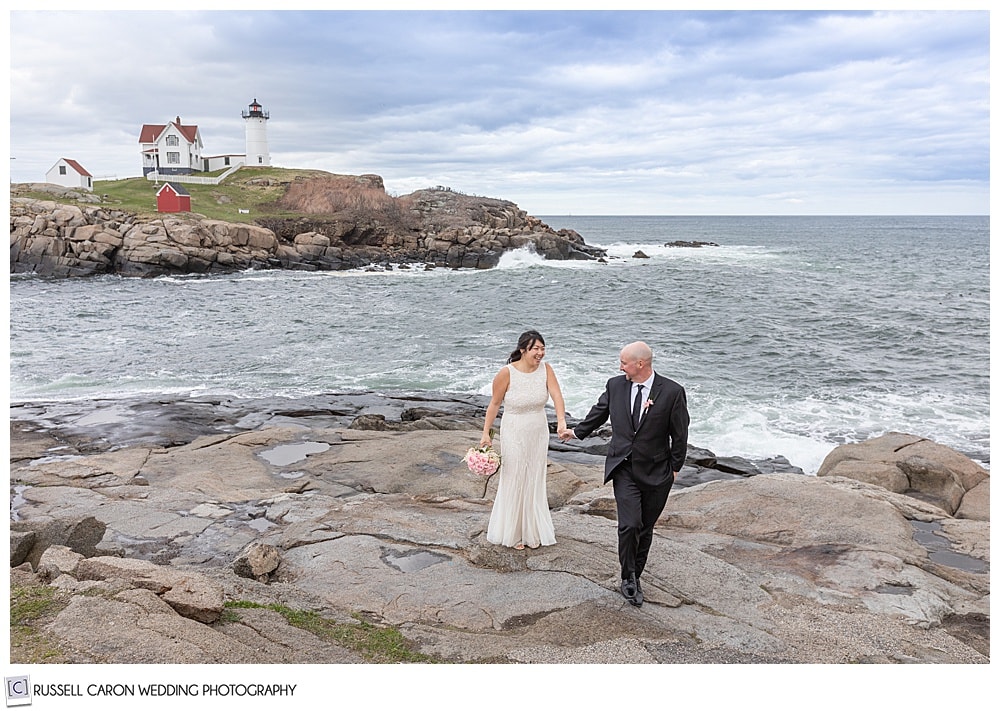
pixel 668 112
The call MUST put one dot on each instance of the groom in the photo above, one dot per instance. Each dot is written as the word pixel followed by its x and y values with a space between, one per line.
pixel 649 430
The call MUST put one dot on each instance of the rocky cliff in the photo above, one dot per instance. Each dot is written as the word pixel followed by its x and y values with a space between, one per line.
pixel 337 222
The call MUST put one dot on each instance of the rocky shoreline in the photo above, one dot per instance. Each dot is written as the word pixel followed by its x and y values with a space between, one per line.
pixel 345 222
pixel 171 530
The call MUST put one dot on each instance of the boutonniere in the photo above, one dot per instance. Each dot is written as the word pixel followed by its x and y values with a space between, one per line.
pixel 648 404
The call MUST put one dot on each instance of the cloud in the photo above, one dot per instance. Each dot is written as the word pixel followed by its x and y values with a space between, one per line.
pixel 559 111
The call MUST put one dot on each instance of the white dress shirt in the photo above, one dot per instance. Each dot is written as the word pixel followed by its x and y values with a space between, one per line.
pixel 646 385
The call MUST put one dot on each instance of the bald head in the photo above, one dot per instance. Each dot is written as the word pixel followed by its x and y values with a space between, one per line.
pixel 636 361
pixel 638 351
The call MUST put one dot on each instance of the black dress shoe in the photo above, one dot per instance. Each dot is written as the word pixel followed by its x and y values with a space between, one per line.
pixel 638 593
pixel 628 588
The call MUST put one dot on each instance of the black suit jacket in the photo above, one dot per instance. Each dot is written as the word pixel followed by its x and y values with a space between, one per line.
pixel 658 446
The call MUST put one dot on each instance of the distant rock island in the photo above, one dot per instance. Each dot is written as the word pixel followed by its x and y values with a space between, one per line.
pixel 322 222
pixel 695 243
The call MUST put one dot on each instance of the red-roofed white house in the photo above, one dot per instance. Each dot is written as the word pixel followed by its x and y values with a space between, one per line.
pixel 70 174
pixel 170 149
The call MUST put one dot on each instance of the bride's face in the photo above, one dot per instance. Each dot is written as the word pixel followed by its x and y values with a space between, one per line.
pixel 534 353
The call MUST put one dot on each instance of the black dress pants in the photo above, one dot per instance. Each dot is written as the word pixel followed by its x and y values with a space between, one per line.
pixel 638 508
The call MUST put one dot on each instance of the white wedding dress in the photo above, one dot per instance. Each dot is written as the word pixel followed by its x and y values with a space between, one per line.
pixel 521 508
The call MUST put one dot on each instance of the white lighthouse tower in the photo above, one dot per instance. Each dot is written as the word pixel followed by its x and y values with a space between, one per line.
pixel 256 122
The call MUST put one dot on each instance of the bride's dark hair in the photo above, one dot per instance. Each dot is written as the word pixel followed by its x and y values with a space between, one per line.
pixel 526 341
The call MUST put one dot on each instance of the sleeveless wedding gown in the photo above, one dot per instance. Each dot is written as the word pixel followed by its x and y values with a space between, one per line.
pixel 521 508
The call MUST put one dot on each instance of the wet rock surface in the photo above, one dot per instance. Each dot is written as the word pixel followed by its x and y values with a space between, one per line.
pixel 358 504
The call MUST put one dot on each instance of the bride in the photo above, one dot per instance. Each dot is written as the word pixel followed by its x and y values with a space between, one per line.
pixel 520 515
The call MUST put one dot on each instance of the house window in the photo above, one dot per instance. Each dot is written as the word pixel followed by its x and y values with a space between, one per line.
pixel 62 170
pixel 173 157
pixel 260 159
pixel 227 160
pixel 173 141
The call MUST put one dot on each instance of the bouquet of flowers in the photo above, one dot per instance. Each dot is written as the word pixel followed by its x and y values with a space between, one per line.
pixel 482 461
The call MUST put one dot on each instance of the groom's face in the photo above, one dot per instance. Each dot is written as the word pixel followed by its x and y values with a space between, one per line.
pixel 630 366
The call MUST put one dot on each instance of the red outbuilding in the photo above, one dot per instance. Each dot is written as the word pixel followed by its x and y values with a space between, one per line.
pixel 173 197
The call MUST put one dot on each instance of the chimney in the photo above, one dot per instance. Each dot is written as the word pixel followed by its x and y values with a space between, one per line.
pixel 178 121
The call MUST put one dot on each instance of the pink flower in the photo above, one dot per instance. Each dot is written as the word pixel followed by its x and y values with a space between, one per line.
pixel 647 405
pixel 482 461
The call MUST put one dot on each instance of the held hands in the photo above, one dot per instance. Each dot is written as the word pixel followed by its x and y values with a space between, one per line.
pixel 565 434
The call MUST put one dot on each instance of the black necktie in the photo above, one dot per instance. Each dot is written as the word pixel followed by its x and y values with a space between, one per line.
pixel 636 408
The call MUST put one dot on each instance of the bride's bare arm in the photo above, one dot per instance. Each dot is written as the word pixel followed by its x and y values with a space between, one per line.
pixel 500 384
pixel 557 399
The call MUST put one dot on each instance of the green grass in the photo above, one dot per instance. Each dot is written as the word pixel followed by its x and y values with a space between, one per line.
pixel 216 202
pixel 32 606
pixel 375 644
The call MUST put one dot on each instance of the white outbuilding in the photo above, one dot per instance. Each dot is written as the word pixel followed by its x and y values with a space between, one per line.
pixel 70 174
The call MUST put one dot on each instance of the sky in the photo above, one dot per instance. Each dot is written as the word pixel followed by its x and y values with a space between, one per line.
pixel 564 111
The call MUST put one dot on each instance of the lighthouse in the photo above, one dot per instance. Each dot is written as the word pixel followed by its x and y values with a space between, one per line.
pixel 256 123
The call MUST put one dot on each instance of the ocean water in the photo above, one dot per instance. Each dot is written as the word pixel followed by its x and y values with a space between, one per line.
pixel 793 335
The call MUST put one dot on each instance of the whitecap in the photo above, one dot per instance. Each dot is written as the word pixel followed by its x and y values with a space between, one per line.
pixel 526 258
pixel 710 254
